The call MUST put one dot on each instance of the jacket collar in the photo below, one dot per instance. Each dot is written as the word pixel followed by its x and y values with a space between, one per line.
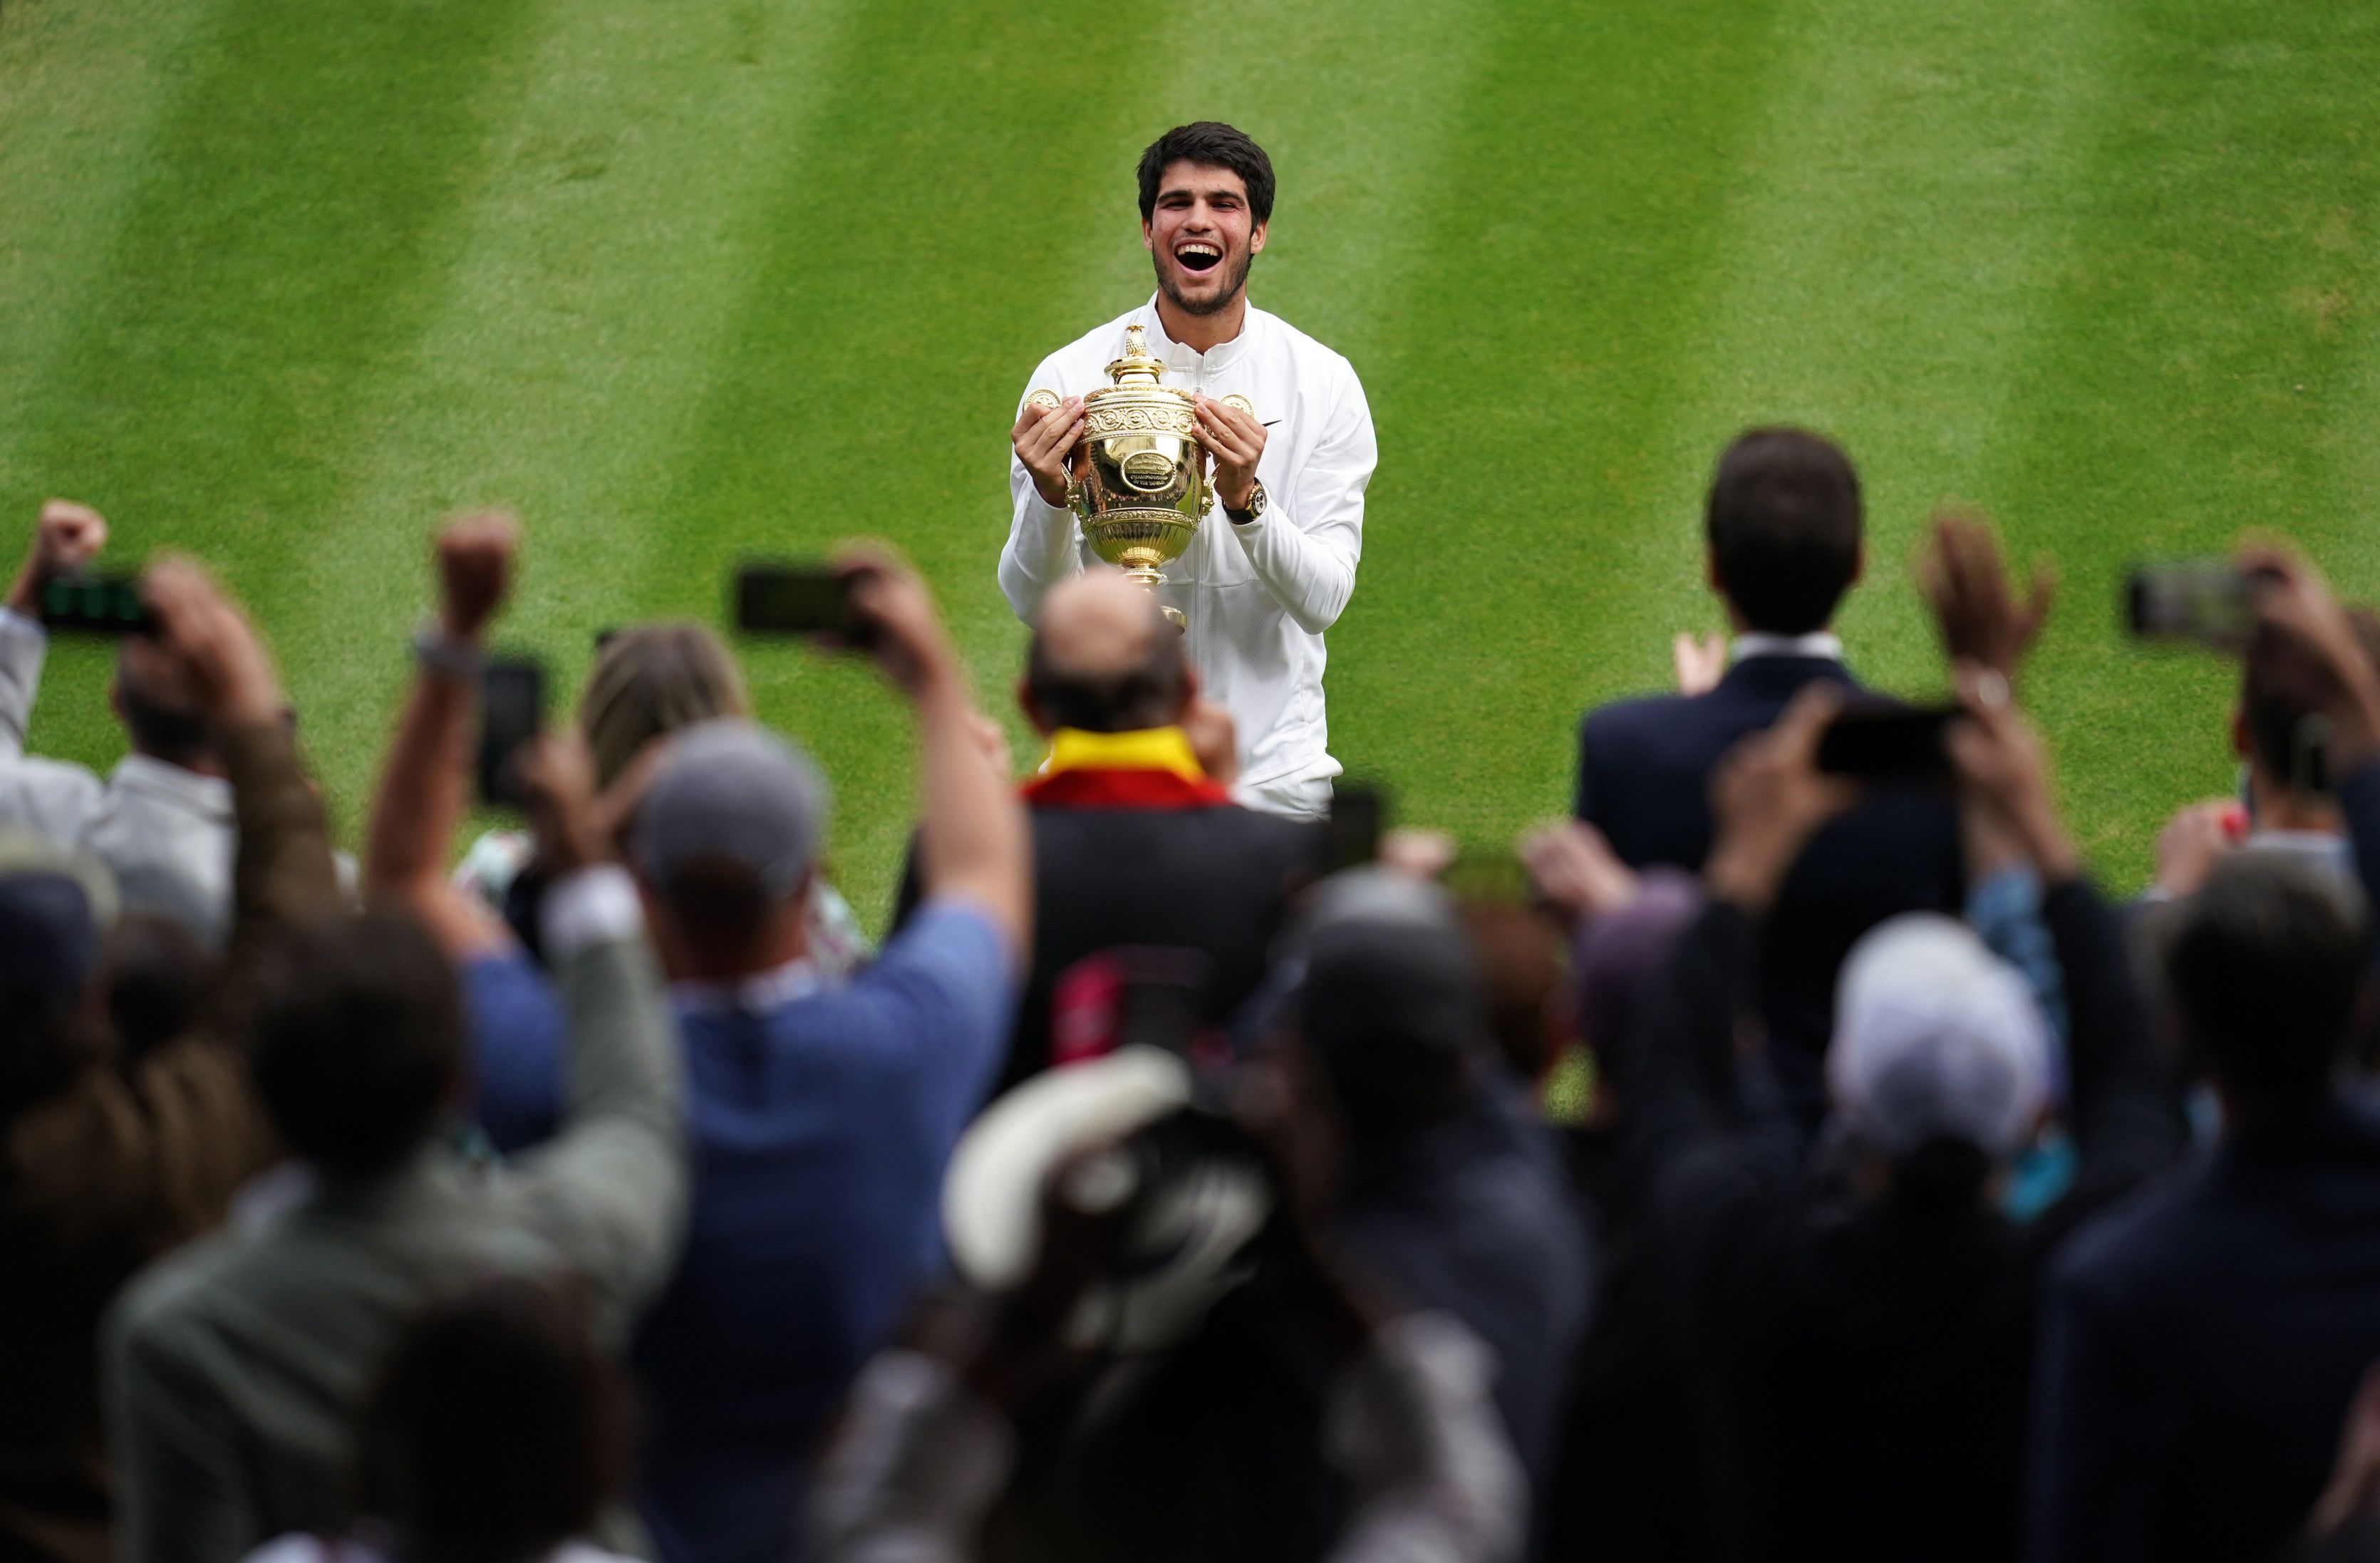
pixel 1782 675
pixel 1823 644
pixel 1185 359
pixel 1149 767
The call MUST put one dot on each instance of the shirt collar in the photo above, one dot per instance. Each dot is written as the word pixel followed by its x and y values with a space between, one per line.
pixel 1185 359
pixel 183 789
pixel 1146 748
pixel 757 994
pixel 1822 645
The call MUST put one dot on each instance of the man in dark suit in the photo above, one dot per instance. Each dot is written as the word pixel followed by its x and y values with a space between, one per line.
pixel 2202 1343
pixel 1136 847
pixel 1783 528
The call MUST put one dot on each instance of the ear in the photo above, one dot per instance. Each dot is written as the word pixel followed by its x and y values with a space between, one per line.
pixel 1147 236
pixel 1032 709
pixel 2240 745
pixel 1256 238
pixel 1710 573
pixel 1859 564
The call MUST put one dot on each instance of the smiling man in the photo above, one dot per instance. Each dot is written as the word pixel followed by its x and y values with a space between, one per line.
pixel 1273 567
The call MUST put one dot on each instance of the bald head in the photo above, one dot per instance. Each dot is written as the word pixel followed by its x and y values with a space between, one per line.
pixel 1104 660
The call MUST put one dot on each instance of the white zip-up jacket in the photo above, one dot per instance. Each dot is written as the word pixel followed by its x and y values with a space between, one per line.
pixel 1258 597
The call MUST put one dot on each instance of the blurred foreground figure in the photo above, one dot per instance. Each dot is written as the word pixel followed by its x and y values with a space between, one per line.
pixel 2203 1341
pixel 1862 1348
pixel 498 1434
pixel 125 1101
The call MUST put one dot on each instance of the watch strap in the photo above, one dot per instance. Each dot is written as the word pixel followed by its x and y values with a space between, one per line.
pixel 439 652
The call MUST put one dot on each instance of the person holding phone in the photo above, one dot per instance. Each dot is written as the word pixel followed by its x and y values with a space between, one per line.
pixel 1265 577
pixel 162 819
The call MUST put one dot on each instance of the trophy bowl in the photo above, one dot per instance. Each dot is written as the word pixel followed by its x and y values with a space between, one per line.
pixel 1139 479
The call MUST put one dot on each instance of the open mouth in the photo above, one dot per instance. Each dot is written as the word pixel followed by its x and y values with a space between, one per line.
pixel 1199 256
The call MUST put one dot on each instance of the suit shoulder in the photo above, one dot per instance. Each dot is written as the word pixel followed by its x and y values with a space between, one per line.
pixel 160 1307
pixel 1623 720
pixel 2128 1250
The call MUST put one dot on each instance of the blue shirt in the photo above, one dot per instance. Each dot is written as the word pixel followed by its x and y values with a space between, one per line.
pixel 819 1126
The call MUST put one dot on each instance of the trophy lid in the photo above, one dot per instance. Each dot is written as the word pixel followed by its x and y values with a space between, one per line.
pixel 1137 367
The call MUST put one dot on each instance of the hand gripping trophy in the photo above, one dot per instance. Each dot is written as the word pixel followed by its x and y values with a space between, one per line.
pixel 1138 478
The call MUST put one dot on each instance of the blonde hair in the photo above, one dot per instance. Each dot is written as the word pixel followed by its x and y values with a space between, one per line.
pixel 655 679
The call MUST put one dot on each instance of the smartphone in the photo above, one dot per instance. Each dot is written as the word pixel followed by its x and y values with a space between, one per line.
pixel 1352 834
pixel 1888 742
pixel 107 604
pixel 782 598
pixel 511 710
pixel 2208 601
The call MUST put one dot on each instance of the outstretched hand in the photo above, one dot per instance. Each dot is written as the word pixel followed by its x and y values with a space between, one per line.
pixel 1770 797
pixel 898 624
pixel 2003 772
pixel 1966 585
pixel 2291 597
pixel 66 538
pixel 201 628
pixel 557 777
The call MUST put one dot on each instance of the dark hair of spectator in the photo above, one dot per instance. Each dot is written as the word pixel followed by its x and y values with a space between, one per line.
pixel 2282 684
pixel 357 1039
pixel 154 971
pixel 1214 145
pixel 44 1044
pixel 499 1432
pixel 1783 523
pixel 1126 700
pixel 171 731
pixel 2265 965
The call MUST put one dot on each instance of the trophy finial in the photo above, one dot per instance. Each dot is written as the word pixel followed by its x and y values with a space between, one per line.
pixel 1136 342
pixel 1136 367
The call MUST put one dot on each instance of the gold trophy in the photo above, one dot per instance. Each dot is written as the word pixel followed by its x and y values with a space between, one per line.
pixel 1139 479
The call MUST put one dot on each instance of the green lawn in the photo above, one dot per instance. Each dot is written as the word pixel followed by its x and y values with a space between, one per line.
pixel 283 281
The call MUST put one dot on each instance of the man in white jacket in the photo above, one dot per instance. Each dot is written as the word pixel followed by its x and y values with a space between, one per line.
pixel 1272 567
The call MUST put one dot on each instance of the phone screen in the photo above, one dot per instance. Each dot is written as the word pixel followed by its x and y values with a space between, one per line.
pixel 511 709
pixel 1887 743
pixel 795 600
pixel 2209 601
pixel 94 604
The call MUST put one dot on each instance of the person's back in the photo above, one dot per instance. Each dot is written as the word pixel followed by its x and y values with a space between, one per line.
pixel 1783 529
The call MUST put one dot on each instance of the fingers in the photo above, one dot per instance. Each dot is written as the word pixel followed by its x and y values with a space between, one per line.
pixel 1796 736
pixel 1043 436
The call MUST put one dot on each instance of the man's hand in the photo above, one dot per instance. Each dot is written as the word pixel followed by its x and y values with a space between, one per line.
pixel 1576 872
pixel 2198 836
pixel 2002 771
pixel 67 538
pixel 1979 618
pixel 557 776
pixel 201 628
pixel 1044 440
pixel 902 632
pixel 2292 596
pixel 1770 797
pixel 474 567
pixel 1700 661
pixel 1235 441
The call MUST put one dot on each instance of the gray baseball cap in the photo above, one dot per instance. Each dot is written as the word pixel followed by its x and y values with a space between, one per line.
pixel 732 792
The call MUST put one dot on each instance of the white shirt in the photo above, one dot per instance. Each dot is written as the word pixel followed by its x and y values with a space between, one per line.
pixel 1258 597
pixel 1818 646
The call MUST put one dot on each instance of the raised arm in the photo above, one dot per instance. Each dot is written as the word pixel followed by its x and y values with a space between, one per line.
pixel 425 782
pixel 282 872
pixel 610 1188
pixel 1305 544
pixel 66 538
pixel 973 844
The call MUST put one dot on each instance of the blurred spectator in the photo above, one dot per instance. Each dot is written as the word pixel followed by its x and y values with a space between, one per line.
pixel 124 1139
pixel 2204 1342
pixel 821 1113
pixel 1452 1194
pixel 1862 1351
pixel 2345 1527
pixel 498 1434
pixel 238 1367
pixel 2290 803
pixel 648 682
pixel 1134 843
pixel 162 821
pixel 1784 534
pixel 939 1431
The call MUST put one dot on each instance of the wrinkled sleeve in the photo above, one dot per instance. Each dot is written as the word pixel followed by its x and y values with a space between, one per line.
pixel 1305 545
pixel 24 646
